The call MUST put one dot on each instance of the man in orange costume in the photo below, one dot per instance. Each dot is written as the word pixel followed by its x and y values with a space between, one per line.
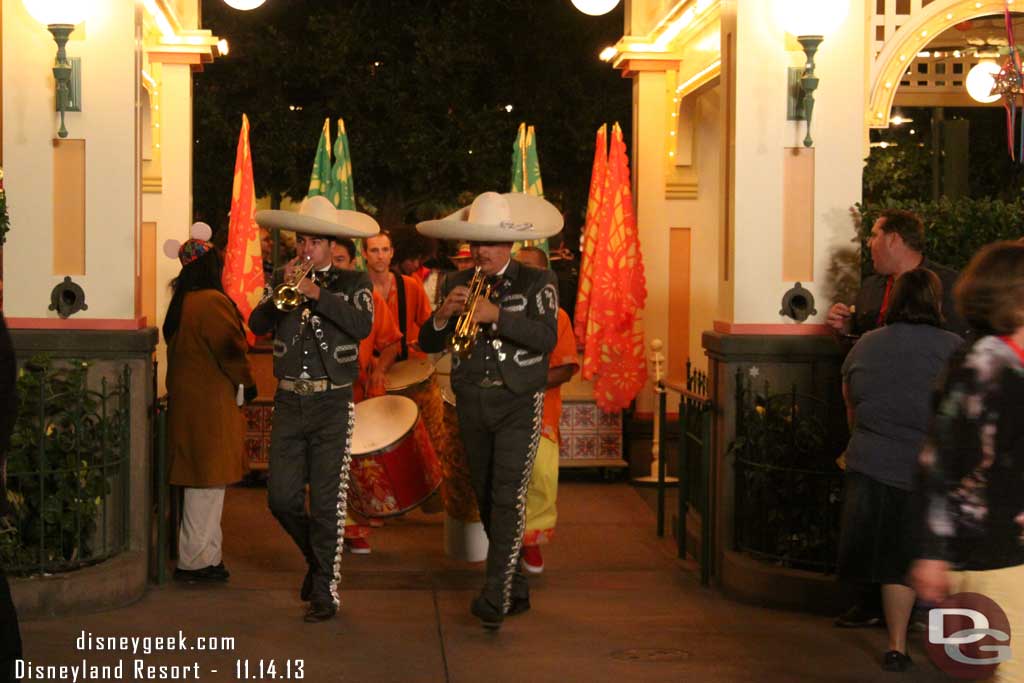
pixel 404 295
pixel 377 353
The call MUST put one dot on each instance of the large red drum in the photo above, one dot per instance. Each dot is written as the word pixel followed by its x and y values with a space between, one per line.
pixel 394 466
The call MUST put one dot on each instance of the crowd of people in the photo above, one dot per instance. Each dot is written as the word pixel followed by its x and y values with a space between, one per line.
pixel 337 343
pixel 934 494
pixel 933 380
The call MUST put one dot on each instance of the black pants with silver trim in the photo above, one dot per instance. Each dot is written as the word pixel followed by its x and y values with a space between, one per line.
pixel 311 443
pixel 500 431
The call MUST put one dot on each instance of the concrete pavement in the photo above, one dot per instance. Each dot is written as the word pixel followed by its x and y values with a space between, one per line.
pixel 614 604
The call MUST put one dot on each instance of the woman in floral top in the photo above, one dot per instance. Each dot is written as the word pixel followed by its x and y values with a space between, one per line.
pixel 973 463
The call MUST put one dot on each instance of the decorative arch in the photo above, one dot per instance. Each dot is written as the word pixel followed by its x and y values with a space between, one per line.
pixel 911 38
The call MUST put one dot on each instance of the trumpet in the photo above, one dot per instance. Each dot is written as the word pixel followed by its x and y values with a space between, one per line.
pixel 287 296
pixel 464 336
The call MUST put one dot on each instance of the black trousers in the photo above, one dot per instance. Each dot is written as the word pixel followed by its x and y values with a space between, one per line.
pixel 10 637
pixel 311 443
pixel 500 431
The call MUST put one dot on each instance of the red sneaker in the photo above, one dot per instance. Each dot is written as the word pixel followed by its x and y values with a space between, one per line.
pixel 532 560
pixel 357 546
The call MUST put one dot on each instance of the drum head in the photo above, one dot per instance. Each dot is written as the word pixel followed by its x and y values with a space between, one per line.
pixel 406 373
pixel 382 421
pixel 447 393
pixel 443 366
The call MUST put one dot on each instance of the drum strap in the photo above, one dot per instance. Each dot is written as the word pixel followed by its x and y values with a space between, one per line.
pixel 403 354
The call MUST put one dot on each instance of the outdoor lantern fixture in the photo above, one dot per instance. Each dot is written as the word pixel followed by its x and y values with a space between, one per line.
pixel 810 21
pixel 60 17
pixel 595 8
pixel 244 4
pixel 980 80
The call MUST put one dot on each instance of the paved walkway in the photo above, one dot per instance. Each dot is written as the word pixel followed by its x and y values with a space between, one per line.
pixel 614 604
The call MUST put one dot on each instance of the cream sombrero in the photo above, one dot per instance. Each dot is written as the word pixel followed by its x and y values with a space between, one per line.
pixel 494 217
pixel 317 216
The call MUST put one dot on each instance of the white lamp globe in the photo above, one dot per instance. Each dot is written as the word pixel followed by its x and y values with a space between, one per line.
pixel 595 8
pixel 980 80
pixel 244 4
pixel 810 17
pixel 48 12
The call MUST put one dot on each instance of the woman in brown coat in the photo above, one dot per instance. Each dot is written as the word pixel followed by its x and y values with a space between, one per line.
pixel 206 365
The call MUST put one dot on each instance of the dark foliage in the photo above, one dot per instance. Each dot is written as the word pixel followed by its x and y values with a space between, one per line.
pixel 422 86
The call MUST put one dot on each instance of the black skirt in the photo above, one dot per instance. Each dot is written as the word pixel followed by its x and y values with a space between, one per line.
pixel 876 541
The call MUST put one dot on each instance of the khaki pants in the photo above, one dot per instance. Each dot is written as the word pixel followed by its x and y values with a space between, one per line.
pixel 1006 588
pixel 200 537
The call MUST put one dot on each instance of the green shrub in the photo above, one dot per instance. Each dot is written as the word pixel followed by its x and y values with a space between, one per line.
pixel 67 445
pixel 954 228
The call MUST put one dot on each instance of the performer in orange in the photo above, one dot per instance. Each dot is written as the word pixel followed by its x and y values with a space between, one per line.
pixel 541 512
pixel 404 295
pixel 377 353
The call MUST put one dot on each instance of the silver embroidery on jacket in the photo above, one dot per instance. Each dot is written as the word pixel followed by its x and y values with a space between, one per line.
pixel 525 359
pixel 346 461
pixel 346 354
pixel 547 299
pixel 517 307
pixel 524 485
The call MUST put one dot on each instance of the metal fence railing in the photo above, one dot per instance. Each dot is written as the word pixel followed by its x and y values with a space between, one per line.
pixel 695 466
pixel 788 485
pixel 68 469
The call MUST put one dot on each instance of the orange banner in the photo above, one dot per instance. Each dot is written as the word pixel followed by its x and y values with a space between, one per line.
pixel 618 291
pixel 583 326
pixel 243 260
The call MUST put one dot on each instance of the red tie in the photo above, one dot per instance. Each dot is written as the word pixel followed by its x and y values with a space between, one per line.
pixel 885 302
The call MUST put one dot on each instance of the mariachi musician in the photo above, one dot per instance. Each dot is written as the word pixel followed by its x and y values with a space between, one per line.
pixel 501 320
pixel 318 316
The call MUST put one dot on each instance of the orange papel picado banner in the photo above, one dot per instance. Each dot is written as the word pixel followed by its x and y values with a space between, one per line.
pixel 617 290
pixel 243 261
pixel 583 326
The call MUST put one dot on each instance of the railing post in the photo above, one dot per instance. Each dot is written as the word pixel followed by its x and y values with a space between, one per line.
pixel 684 472
pixel 660 388
pixel 161 479
pixel 707 530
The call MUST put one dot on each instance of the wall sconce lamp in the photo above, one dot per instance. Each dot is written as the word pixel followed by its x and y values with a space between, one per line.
pixel 810 21
pixel 60 17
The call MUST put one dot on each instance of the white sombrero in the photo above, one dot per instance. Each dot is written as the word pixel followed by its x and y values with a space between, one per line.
pixel 494 217
pixel 317 216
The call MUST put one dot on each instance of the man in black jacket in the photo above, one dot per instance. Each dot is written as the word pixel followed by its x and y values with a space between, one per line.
pixel 10 638
pixel 499 384
pixel 897 245
pixel 316 352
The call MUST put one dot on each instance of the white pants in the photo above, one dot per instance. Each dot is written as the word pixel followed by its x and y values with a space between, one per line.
pixel 199 540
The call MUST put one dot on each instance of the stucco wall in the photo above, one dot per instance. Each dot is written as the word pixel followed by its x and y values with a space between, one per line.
pixel 762 132
pixel 107 123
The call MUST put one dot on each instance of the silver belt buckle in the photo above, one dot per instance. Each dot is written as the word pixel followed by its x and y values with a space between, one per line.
pixel 303 387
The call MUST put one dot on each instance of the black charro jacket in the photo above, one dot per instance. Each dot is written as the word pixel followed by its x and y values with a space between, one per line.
pixel 334 325
pixel 524 336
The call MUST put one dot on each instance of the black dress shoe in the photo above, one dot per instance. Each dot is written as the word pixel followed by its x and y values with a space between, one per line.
pixel 896 661
pixel 490 616
pixel 307 586
pixel 320 611
pixel 518 606
pixel 211 574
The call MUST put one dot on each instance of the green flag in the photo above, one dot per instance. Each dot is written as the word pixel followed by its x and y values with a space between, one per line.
pixel 320 179
pixel 526 173
pixel 343 190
